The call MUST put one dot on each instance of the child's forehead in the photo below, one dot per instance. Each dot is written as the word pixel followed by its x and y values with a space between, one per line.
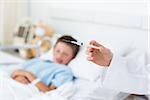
pixel 64 43
pixel 64 46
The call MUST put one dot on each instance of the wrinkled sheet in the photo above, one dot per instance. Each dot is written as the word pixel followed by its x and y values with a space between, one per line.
pixel 13 90
pixel 80 89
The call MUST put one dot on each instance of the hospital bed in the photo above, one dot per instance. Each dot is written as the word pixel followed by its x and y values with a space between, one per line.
pixel 6 59
pixel 87 85
pixel 80 89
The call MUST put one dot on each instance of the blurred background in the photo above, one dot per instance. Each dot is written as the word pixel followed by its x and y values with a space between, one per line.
pixel 111 18
pixel 114 13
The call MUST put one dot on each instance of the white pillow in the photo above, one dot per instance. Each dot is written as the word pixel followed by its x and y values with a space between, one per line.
pixel 82 68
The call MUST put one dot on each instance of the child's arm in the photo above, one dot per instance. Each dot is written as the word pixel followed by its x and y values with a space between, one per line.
pixel 22 79
pixel 40 85
pixel 44 88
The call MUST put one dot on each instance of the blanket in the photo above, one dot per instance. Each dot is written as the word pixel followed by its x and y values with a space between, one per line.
pixel 13 90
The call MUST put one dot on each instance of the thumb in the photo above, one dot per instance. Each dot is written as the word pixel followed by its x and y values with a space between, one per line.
pixel 95 43
pixel 13 76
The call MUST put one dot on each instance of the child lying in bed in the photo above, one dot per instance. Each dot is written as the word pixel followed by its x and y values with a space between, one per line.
pixel 48 75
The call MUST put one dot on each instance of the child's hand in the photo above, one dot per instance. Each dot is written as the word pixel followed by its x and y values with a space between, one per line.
pixel 18 73
pixel 22 79
pixel 101 55
pixel 24 73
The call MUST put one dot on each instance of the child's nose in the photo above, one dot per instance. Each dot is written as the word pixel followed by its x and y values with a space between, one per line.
pixel 60 56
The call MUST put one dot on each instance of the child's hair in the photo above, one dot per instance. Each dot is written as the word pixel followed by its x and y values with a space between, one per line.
pixel 68 39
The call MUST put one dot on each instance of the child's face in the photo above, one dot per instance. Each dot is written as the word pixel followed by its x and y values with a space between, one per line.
pixel 62 54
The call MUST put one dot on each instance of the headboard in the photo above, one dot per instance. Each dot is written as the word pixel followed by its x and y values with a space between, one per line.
pixel 112 29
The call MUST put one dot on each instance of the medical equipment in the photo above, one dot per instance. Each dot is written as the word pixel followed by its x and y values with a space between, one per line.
pixel 24 32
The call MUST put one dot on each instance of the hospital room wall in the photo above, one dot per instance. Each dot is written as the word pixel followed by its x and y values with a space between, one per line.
pixel 1 23
pixel 128 18
pixel 11 12
pixel 127 14
pixel 129 8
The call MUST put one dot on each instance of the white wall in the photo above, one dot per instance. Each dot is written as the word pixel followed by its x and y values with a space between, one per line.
pixel 149 31
pixel 12 11
pixel 1 23
pixel 125 13
pixel 120 14
pixel 133 7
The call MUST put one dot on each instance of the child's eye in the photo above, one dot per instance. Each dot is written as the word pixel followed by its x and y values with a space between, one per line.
pixel 65 54
pixel 57 51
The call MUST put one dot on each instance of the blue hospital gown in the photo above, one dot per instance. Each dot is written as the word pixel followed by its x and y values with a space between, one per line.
pixel 48 72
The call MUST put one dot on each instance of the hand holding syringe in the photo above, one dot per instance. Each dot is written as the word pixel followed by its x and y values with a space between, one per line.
pixel 96 52
pixel 99 54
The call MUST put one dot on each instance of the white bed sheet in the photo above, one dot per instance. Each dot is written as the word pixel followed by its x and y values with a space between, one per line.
pixel 80 89
pixel 6 58
pixel 89 90
pixel 13 90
